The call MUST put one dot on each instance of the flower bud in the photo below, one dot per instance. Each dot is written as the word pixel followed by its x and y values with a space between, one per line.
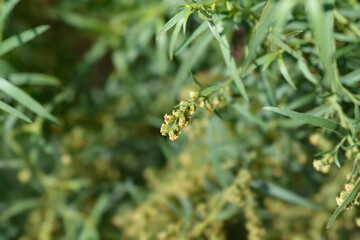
pixel 194 94
pixel 165 128
pixel 176 113
pixel 209 106
pixel 183 103
pixel 182 121
pixel 169 118
pixel 173 135
pixel 192 109
pixel 349 187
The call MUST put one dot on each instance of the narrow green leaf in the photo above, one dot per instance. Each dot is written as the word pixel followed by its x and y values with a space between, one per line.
pixel 15 41
pixel 268 61
pixel 325 152
pixel 336 159
pixel 322 23
pixel 18 207
pixel 248 115
pixel 201 29
pixel 341 208
pixel 277 41
pixel 5 107
pixel 356 123
pixel 306 71
pixel 229 60
pixel 83 22
pixel 310 119
pixel 351 78
pixel 5 12
pixel 24 99
pixel 211 89
pixel 174 38
pixel 300 102
pixel 284 194
pixel 191 59
pixel 185 19
pixel 285 72
pixel 268 89
pixel 203 16
pixel 33 79
pixel 195 80
pixel 261 61
pixel 216 34
pixel 350 147
pixel 172 22
pixel 267 18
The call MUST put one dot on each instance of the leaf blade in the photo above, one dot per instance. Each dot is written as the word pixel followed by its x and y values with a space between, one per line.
pixel 314 120
pixel 7 108
pixel 15 41
pixel 344 204
pixel 24 99
pixel 174 20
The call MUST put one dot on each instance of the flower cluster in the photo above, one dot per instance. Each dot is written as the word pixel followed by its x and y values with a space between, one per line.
pixel 180 118
pixel 324 164
pixel 241 194
pixel 349 187
pixel 235 194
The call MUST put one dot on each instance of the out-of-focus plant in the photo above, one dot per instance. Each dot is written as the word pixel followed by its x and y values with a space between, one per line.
pixel 235 170
pixel 322 35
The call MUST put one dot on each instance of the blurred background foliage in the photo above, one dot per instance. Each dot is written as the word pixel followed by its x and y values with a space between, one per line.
pixel 107 173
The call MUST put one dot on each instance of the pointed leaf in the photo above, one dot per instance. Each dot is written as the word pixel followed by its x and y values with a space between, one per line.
pixel 172 22
pixel 174 38
pixel 284 194
pixel 314 120
pixel 229 59
pixel 7 108
pixel 211 89
pixel 15 41
pixel 201 29
pixel 341 208
pixel 285 72
pixel 5 12
pixel 33 79
pixel 23 98
pixel 195 80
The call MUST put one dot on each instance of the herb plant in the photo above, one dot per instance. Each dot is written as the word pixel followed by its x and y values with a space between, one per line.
pixel 260 129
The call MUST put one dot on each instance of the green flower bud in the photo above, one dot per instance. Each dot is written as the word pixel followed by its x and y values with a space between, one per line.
pixel 165 128
pixel 192 109
pixel 169 118
pixel 194 94
pixel 176 113
pixel 174 133
pixel 209 106
pixel 182 121
pixel 183 103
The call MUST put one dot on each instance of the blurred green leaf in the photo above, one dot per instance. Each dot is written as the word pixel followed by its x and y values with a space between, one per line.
pixel 5 107
pixel 314 120
pixel 322 28
pixel 199 30
pixel 5 12
pixel 285 72
pixel 15 41
pixel 172 22
pixel 33 79
pixel 229 59
pixel 211 89
pixel 24 99
pixel 284 194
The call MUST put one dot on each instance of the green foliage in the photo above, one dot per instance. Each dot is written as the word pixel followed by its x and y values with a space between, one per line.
pixel 96 167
